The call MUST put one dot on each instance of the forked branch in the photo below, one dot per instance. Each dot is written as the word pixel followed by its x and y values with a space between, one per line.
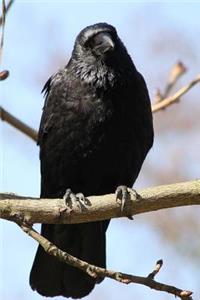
pixel 176 97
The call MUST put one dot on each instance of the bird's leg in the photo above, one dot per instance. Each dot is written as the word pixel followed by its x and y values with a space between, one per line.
pixel 123 194
pixel 70 198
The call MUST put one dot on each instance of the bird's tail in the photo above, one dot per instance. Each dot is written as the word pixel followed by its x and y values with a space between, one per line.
pixel 50 277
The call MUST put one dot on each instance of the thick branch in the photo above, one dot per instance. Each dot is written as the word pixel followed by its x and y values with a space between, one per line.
pixel 55 211
pixel 95 271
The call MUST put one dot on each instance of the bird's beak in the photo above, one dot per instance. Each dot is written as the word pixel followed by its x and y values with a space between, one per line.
pixel 104 43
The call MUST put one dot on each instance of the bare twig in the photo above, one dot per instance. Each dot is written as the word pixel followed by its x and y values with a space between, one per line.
pixel 97 208
pixel 6 9
pixel 95 271
pixel 3 19
pixel 3 74
pixel 173 99
pixel 10 119
pixel 176 72
pixel 157 268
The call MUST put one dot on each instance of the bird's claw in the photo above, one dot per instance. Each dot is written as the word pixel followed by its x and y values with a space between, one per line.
pixel 70 198
pixel 123 194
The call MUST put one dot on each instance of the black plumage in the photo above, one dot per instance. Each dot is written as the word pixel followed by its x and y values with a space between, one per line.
pixel 95 132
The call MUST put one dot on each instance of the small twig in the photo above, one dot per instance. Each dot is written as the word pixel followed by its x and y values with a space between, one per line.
pixel 3 74
pixel 6 9
pixel 95 271
pixel 176 72
pixel 3 19
pixel 157 268
pixel 6 116
pixel 158 96
pixel 173 99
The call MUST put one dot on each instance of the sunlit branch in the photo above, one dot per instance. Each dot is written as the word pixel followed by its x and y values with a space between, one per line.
pixel 175 98
pixel 97 208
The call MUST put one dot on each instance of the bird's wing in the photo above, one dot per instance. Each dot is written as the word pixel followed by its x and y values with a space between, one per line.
pixel 49 112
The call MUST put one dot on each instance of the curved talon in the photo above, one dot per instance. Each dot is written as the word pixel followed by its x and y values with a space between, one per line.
pixel 67 195
pixel 123 193
pixel 71 198
pixel 133 193
pixel 81 198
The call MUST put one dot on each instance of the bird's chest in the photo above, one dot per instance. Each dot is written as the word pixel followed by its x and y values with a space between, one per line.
pixel 105 130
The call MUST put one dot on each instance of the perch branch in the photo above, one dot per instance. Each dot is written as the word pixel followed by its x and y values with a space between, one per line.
pixel 95 271
pixel 97 208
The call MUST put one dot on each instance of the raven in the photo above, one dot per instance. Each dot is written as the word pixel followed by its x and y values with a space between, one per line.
pixel 95 132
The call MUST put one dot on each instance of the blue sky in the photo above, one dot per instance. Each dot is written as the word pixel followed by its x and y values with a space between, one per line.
pixel 38 37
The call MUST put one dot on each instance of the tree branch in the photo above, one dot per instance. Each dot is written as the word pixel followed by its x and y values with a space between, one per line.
pixel 95 271
pixel 16 123
pixel 5 10
pixel 2 23
pixel 177 70
pixel 96 208
pixel 175 98
pixel 5 73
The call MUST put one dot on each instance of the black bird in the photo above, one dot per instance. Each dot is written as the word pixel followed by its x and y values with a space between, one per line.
pixel 95 132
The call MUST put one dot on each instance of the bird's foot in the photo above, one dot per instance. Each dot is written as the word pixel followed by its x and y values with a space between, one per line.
pixel 71 198
pixel 123 194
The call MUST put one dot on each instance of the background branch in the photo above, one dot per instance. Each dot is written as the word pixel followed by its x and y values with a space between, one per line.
pixel 96 208
pixel 177 70
pixel 173 99
pixel 95 271
pixel 16 123
pixel 5 10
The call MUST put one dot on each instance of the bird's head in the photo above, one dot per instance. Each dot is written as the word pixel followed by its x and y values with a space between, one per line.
pixel 97 42
pixel 99 55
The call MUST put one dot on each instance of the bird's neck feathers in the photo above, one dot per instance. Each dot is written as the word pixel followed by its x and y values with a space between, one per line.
pixel 96 74
pixel 101 74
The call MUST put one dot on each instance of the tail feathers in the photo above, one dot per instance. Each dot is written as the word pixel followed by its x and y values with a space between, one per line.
pixel 45 274
pixel 50 277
